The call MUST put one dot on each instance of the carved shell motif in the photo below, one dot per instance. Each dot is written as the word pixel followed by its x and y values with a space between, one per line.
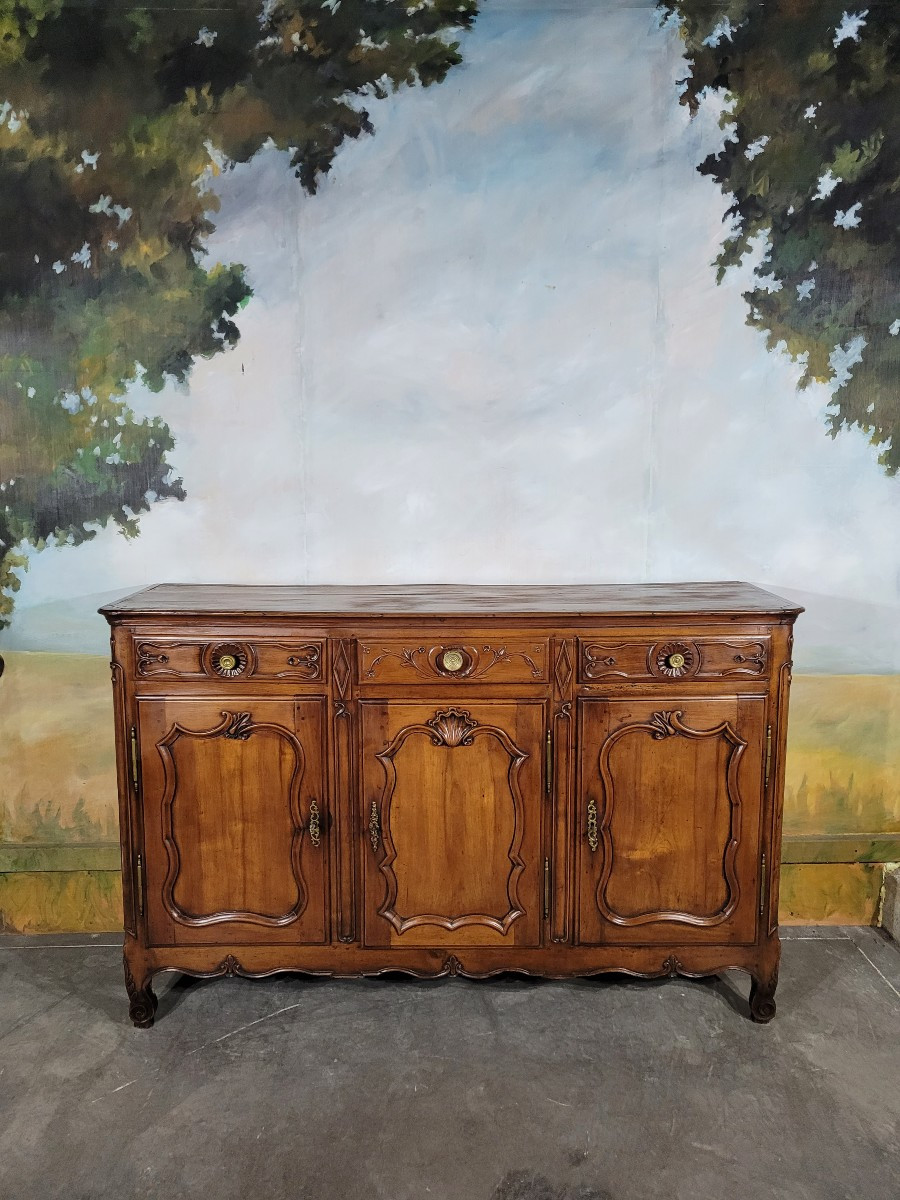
pixel 238 726
pixel 452 727
pixel 665 724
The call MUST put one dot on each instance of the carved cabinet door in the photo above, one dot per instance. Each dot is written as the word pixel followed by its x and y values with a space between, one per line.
pixel 670 803
pixel 453 806
pixel 234 820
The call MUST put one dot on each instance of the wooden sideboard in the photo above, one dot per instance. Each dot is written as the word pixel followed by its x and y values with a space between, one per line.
pixel 451 780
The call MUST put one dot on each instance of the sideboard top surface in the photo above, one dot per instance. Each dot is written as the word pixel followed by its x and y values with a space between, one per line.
pixel 462 600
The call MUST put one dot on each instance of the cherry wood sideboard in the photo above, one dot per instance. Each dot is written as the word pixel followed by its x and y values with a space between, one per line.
pixel 451 780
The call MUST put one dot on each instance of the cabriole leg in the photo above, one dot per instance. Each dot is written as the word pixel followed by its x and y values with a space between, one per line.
pixel 141 997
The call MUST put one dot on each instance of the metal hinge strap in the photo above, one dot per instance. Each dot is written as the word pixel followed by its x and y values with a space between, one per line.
pixel 549 763
pixel 140 883
pixel 134 758
pixel 762 886
pixel 768 752
pixel 546 889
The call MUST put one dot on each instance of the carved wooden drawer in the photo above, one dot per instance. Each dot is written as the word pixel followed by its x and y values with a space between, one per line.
pixel 673 658
pixel 227 658
pixel 491 659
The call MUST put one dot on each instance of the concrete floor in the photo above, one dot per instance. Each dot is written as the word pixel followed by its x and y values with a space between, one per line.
pixel 456 1090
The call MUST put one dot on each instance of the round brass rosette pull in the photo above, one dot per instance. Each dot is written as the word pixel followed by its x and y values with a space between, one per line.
pixel 452 660
pixel 229 660
pixel 675 659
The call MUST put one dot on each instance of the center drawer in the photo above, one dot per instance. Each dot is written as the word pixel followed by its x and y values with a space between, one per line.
pixel 409 661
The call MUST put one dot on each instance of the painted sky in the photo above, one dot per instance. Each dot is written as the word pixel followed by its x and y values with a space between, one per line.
pixel 492 348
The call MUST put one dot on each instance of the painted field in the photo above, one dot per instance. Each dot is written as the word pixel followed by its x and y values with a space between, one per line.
pixel 57 774
pixel 843 768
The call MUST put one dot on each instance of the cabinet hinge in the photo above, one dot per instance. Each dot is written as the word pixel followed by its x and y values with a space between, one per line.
pixel 549 763
pixel 768 752
pixel 140 884
pixel 134 760
pixel 546 889
pixel 762 886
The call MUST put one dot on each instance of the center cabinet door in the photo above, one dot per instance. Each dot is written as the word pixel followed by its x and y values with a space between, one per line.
pixel 234 820
pixel 670 805
pixel 454 800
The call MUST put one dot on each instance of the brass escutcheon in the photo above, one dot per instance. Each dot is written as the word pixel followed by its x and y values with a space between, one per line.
pixel 452 660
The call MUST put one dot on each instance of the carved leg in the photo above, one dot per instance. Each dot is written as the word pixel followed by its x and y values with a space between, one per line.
pixel 762 997
pixel 141 1000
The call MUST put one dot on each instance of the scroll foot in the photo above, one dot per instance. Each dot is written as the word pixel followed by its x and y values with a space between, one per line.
pixel 142 1000
pixel 762 998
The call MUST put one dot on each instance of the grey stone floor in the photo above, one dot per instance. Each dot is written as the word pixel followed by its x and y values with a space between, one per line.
pixel 451 1090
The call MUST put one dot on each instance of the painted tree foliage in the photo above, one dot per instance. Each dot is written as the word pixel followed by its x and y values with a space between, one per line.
pixel 811 165
pixel 115 120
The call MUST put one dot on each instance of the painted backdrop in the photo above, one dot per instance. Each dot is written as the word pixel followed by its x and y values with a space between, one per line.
pixel 356 291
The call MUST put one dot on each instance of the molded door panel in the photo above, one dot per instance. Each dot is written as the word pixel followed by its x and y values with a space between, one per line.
pixel 453 807
pixel 234 819
pixel 669 804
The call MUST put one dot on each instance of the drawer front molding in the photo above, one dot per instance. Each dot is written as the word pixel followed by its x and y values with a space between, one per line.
pixel 228 658
pixel 673 658
pixel 504 662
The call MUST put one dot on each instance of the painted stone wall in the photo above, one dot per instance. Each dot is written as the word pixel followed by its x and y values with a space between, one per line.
pixel 593 292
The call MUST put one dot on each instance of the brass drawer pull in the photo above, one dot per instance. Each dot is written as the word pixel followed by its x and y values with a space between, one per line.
pixel 452 660
pixel 229 659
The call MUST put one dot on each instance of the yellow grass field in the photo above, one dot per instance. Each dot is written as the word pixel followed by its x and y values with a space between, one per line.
pixel 843 766
pixel 57 774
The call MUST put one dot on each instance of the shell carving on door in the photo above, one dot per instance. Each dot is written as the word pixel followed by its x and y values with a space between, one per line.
pixel 452 823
